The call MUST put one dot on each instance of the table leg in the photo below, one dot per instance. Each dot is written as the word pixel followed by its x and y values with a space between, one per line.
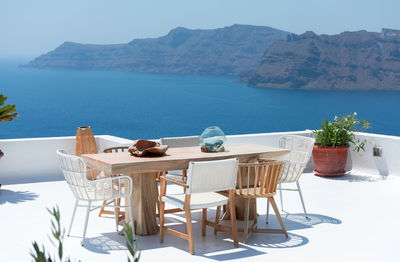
pixel 144 203
pixel 240 205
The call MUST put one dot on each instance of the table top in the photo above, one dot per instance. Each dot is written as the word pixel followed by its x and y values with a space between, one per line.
pixel 176 158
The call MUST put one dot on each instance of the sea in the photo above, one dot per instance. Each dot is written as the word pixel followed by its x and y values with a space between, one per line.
pixel 153 105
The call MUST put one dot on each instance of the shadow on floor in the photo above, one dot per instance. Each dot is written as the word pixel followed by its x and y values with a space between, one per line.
pixel 220 246
pixel 15 197
pixel 356 177
pixel 105 243
pixel 298 220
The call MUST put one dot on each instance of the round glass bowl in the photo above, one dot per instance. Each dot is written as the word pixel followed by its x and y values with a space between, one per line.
pixel 212 140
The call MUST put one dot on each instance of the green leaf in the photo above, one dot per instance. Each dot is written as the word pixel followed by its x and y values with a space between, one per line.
pixel 7 112
pixel 341 132
pixel 131 245
pixel 2 99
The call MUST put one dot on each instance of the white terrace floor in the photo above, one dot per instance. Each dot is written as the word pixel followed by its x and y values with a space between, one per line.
pixel 355 218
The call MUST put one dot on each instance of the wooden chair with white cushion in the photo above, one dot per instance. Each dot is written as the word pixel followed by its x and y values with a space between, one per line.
pixel 204 180
pixel 87 191
pixel 177 175
pixel 295 162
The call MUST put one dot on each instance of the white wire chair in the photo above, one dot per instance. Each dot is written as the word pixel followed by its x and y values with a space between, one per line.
pixel 295 162
pixel 110 189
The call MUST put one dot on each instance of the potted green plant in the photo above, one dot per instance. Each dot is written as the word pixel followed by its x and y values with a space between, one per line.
pixel 332 142
pixel 7 113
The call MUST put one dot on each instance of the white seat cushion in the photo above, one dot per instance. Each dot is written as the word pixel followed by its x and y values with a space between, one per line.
pixel 197 200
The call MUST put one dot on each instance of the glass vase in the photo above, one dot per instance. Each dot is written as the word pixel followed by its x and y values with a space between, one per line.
pixel 212 140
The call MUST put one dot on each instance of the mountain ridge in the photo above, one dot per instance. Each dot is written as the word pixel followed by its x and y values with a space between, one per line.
pixel 350 60
pixel 232 50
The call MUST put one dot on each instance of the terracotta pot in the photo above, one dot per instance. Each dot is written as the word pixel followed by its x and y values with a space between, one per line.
pixel 330 161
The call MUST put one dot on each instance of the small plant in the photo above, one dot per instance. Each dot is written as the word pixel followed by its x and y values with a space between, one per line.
pixel 57 233
pixel 132 245
pixel 341 132
pixel 40 255
pixel 7 112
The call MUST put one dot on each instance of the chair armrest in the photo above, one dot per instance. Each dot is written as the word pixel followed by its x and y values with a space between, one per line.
pixel 292 170
pixel 268 160
pixel 120 180
pixel 174 182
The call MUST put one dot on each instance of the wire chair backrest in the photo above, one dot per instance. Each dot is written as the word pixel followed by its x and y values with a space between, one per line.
pixel 300 147
pixel 258 179
pixel 74 170
pixel 116 149
pixel 300 152
pixel 184 141
pixel 212 176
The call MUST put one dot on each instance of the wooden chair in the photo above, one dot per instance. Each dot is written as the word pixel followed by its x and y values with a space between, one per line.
pixel 295 162
pixel 177 175
pixel 258 180
pixel 204 179
pixel 88 191
pixel 119 215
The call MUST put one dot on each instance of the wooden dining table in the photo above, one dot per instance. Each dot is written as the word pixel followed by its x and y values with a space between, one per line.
pixel 143 171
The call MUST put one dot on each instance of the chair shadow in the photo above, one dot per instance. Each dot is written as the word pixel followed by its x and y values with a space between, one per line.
pixel 15 197
pixel 297 221
pixel 105 243
pixel 292 222
pixel 218 247
pixel 277 240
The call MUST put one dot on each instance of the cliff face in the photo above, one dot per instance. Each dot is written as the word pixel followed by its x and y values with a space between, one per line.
pixel 231 50
pixel 350 60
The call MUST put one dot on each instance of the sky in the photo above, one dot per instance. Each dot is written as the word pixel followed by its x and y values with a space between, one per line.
pixel 29 28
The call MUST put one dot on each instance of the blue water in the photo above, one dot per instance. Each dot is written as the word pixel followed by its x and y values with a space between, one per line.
pixel 142 105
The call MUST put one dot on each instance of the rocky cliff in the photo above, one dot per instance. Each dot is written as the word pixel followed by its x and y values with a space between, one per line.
pixel 232 50
pixel 350 60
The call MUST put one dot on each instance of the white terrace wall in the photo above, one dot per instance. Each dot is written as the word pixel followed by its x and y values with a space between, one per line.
pixel 34 159
pixel 388 163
